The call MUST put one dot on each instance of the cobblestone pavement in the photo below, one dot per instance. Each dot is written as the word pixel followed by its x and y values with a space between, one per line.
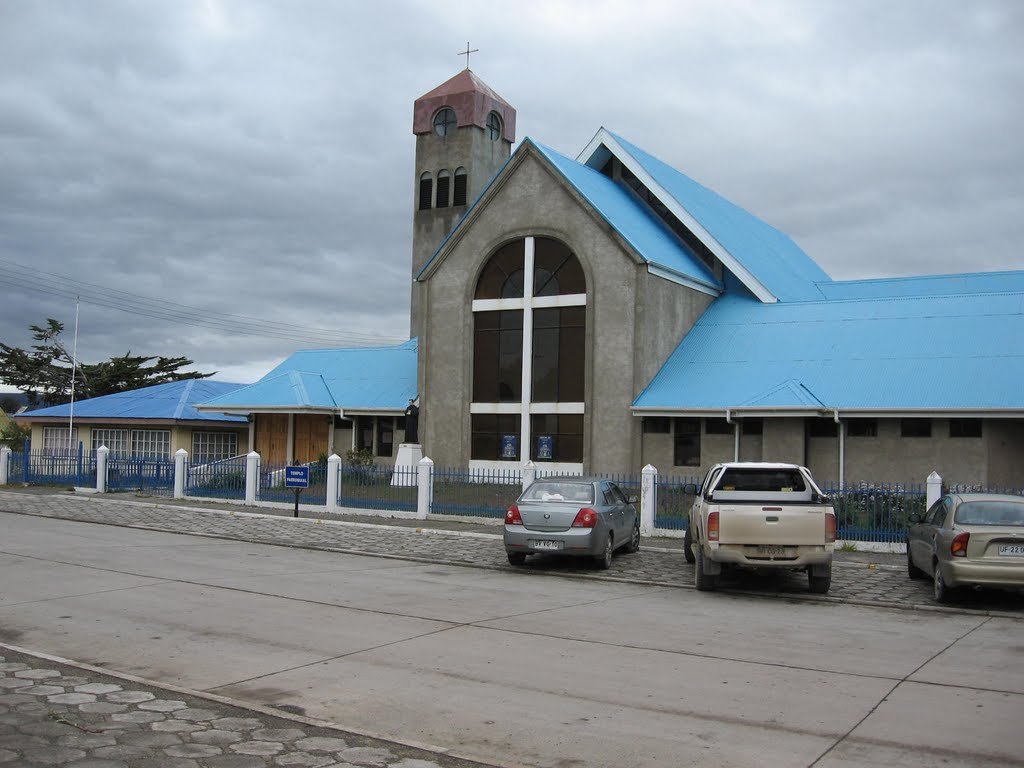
pixel 862 578
pixel 53 714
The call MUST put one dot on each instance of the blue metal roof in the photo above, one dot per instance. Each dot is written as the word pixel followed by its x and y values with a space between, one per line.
pixel 768 254
pixel 354 379
pixel 637 225
pixel 904 352
pixel 174 400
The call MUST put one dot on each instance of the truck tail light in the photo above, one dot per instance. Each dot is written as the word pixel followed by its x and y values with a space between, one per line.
pixel 830 527
pixel 512 517
pixel 713 526
pixel 959 546
pixel 585 518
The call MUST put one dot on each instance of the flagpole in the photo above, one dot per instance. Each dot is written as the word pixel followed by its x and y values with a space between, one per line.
pixel 74 370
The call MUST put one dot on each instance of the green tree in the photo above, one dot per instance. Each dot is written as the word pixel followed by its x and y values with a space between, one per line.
pixel 43 372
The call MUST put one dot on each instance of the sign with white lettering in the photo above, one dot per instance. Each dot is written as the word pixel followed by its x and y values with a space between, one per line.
pixel 296 477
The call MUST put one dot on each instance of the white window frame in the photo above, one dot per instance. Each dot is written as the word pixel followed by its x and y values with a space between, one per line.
pixel 117 440
pixel 527 407
pixel 55 440
pixel 226 442
pixel 155 443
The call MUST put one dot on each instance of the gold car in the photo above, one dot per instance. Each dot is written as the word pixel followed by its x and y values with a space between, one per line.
pixel 968 539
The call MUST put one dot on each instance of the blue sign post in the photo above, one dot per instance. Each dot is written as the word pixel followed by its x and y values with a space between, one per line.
pixel 297 478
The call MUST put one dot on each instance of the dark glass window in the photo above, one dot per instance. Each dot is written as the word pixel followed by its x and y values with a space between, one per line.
pixel 822 428
pixel 459 192
pixel 686 443
pixel 364 437
pixel 385 436
pixel 558 354
pixel 915 427
pixel 494 126
pixel 498 357
pixel 556 270
pixel 862 428
pixel 965 427
pixel 657 425
pixel 752 426
pixel 559 435
pixel 502 277
pixel 445 122
pixel 719 427
pixel 494 436
pixel 426 191
pixel 443 187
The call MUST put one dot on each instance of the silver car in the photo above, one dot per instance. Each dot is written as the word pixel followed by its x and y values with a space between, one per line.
pixel 581 516
pixel 968 539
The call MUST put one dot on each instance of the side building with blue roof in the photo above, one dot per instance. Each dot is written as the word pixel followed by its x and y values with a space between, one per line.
pixel 151 421
pixel 604 312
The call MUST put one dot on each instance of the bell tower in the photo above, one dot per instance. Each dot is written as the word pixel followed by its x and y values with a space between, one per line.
pixel 464 134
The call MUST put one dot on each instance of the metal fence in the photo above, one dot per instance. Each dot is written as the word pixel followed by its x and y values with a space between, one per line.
pixel 875 511
pixel 362 486
pixel 152 475
pixel 75 468
pixel 272 488
pixel 475 492
pixel 224 479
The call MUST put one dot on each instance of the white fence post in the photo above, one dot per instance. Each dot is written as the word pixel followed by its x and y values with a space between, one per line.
pixel 529 474
pixel 425 491
pixel 252 477
pixel 180 457
pixel 934 488
pixel 648 499
pixel 5 464
pixel 333 468
pixel 101 468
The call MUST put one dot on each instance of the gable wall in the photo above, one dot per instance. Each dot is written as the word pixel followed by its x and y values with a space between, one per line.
pixel 628 314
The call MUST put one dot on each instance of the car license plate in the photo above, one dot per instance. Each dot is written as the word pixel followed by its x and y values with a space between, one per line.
pixel 545 544
pixel 1013 550
pixel 765 550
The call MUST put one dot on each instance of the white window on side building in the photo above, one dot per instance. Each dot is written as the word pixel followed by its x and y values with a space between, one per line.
pixel 153 443
pixel 57 440
pixel 115 439
pixel 213 446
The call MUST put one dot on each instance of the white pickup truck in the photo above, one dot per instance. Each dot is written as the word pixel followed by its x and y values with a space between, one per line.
pixel 760 515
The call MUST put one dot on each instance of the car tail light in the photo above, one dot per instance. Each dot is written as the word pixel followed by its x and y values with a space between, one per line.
pixel 512 517
pixel 959 546
pixel 585 518
pixel 713 526
pixel 830 527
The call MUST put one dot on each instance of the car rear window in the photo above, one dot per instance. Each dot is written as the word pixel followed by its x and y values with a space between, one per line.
pixel 550 491
pixel 991 513
pixel 761 480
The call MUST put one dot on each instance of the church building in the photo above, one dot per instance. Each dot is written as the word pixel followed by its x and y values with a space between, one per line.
pixel 604 312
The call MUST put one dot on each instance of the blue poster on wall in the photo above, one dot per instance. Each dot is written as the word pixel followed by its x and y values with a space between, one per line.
pixel 509 446
pixel 545 446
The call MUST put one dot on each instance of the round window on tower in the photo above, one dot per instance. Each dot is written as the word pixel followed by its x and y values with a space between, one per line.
pixel 445 122
pixel 493 126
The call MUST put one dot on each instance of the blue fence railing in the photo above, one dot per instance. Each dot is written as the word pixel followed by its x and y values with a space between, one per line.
pixel 152 475
pixel 475 492
pixel 272 488
pixel 377 487
pixel 875 511
pixel 223 479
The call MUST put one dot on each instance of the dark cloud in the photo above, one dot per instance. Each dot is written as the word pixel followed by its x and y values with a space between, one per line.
pixel 255 158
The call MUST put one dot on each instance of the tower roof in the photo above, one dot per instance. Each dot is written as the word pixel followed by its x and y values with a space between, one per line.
pixel 471 98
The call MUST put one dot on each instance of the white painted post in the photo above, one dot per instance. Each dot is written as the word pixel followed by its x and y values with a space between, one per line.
pixel 333 468
pixel 252 477
pixel 425 491
pixel 934 488
pixel 180 457
pixel 101 469
pixel 529 474
pixel 5 464
pixel 648 499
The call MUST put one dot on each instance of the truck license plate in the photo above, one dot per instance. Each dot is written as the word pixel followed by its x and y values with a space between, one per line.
pixel 766 550
pixel 1014 550
pixel 545 544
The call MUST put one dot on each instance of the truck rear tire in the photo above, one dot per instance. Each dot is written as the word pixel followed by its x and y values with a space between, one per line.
pixel 819 585
pixel 688 545
pixel 703 581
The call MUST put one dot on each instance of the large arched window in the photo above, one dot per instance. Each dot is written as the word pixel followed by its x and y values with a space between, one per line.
pixel 529 316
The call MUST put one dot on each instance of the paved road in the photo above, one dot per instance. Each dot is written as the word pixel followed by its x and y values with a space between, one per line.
pixel 494 665
pixel 865 579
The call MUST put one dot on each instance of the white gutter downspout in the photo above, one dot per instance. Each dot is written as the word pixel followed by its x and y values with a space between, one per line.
pixel 736 435
pixel 842 445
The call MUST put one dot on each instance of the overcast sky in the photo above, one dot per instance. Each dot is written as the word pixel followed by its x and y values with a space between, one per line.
pixel 256 158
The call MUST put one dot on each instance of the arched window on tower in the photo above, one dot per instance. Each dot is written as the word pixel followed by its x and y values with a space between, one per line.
pixel 426 191
pixel 443 188
pixel 445 122
pixel 459 193
pixel 493 126
pixel 529 317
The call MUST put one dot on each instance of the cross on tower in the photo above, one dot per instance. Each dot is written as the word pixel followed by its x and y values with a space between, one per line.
pixel 467 52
